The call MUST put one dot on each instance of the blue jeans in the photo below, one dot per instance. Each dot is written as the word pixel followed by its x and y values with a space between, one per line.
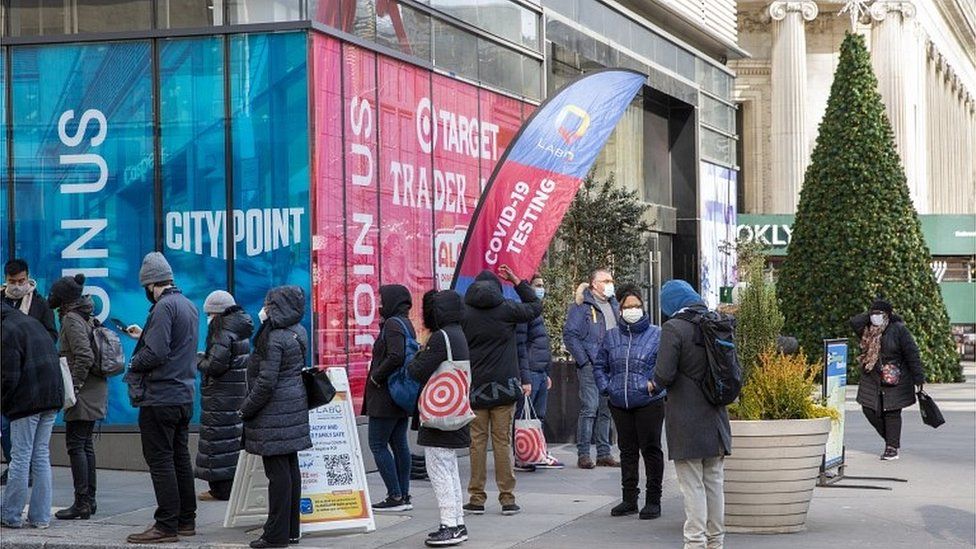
pixel 31 440
pixel 594 418
pixel 386 433
pixel 539 396
pixel 5 437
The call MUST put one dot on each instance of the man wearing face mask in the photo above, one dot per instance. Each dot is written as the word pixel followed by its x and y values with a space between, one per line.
pixel 161 379
pixel 890 371
pixel 595 312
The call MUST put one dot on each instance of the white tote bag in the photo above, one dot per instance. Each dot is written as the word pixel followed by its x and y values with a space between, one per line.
pixel 445 402
pixel 530 441
pixel 69 385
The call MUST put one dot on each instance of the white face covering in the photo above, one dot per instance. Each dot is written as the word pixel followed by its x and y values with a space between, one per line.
pixel 632 315
pixel 263 315
pixel 608 290
pixel 210 318
pixel 877 319
pixel 17 291
pixel 540 292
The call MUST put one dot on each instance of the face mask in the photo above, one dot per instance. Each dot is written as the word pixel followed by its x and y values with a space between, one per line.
pixel 540 293
pixel 17 291
pixel 877 320
pixel 632 315
pixel 608 290
pixel 263 315
pixel 210 318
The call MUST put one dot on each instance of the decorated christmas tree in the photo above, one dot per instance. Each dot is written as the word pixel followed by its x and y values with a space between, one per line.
pixel 857 235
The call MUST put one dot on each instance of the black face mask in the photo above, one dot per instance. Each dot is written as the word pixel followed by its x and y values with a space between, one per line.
pixel 149 294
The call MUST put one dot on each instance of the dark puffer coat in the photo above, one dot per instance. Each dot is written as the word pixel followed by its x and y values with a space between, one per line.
pixel 626 363
pixel 388 352
pixel 91 389
pixel 442 314
pixel 224 385
pixel 535 353
pixel 489 325
pixel 275 410
pixel 30 371
pixel 897 347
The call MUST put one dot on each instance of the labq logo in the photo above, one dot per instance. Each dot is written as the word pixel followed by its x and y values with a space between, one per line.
pixel 572 123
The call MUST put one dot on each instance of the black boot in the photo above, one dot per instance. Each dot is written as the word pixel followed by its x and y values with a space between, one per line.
pixel 80 510
pixel 650 511
pixel 626 507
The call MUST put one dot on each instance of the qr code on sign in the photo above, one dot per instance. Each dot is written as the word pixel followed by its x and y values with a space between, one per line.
pixel 338 469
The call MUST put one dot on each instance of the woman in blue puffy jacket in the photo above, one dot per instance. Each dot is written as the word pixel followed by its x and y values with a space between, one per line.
pixel 624 371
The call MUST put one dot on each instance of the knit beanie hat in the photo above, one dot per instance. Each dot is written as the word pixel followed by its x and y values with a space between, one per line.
pixel 218 302
pixel 155 269
pixel 66 290
pixel 882 305
pixel 676 295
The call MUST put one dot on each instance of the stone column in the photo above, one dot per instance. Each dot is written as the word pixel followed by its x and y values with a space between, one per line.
pixel 898 56
pixel 790 155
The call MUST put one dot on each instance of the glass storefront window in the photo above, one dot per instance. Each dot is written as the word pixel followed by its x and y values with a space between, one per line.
pixel 241 12
pixel 53 17
pixel 531 78
pixel 717 114
pixel 717 147
pixel 181 14
pixel 500 66
pixel 501 17
pixel 455 50
pixel 713 79
pixel 403 29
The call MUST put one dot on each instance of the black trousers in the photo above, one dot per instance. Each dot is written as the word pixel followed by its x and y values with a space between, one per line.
pixel 284 498
pixel 639 434
pixel 220 489
pixel 79 440
pixel 887 424
pixel 165 431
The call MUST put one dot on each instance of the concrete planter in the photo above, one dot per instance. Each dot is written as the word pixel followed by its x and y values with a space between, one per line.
pixel 770 476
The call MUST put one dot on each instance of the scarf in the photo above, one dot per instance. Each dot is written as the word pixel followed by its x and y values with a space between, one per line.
pixel 25 302
pixel 871 345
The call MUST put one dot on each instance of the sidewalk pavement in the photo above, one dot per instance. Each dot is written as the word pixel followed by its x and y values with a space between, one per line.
pixel 570 509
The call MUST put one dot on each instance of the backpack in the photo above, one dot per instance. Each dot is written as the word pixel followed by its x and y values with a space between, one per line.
pixel 107 347
pixel 722 380
pixel 404 389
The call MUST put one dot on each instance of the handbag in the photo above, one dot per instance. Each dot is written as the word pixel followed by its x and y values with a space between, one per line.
pixel 445 402
pixel 530 441
pixel 319 390
pixel 70 399
pixel 931 414
pixel 890 375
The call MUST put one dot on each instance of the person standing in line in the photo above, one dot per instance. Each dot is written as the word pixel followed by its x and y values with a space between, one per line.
pixel 588 320
pixel 224 370
pixel 624 371
pixel 275 411
pixel 31 394
pixel 698 432
pixel 535 358
pixel 91 391
pixel 388 422
pixel 887 349
pixel 162 382
pixel 442 312
pixel 489 326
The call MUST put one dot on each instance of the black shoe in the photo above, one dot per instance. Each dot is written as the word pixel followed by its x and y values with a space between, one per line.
pixel 444 537
pixel 624 508
pixel 294 541
pixel 463 530
pixel 391 505
pixel 889 454
pixel 77 511
pixel 474 508
pixel 511 509
pixel 407 503
pixel 94 507
pixel 650 511
pixel 260 543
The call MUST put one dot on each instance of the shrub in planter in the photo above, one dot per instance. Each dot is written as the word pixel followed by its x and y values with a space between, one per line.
pixel 782 387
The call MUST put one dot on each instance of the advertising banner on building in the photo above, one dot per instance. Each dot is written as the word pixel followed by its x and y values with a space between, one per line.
pixel 717 233
pixel 540 172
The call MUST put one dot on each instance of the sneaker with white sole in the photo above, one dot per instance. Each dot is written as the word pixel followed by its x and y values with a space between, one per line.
pixel 390 505
pixel 890 454
pixel 551 463
pixel 474 508
pixel 524 468
pixel 444 537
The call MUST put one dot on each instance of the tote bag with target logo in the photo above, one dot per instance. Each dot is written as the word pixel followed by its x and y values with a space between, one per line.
pixel 445 402
pixel 530 442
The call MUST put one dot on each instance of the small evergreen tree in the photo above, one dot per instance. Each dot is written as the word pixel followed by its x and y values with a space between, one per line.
pixel 758 318
pixel 604 227
pixel 857 235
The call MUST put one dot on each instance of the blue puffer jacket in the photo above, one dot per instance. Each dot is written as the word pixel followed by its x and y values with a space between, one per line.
pixel 535 355
pixel 626 363
pixel 585 327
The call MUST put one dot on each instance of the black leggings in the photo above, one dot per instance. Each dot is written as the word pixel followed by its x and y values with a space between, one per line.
pixel 284 498
pixel 887 424
pixel 639 433
pixel 78 437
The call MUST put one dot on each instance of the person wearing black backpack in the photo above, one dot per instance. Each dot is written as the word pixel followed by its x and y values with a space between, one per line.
pixel 91 391
pixel 698 432
pixel 388 422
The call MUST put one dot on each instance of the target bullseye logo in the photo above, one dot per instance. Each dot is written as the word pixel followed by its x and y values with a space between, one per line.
pixel 445 395
pixel 530 446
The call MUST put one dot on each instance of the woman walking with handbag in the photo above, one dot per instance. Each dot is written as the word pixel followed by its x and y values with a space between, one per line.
pixel 890 370
pixel 275 411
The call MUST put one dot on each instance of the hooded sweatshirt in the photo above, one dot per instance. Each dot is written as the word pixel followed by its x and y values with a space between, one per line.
pixel 489 324
pixel 388 351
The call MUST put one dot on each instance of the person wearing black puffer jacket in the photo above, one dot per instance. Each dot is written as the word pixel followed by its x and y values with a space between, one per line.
pixel 224 370
pixel 275 411
pixel 886 346
pixel 442 314
pixel 388 422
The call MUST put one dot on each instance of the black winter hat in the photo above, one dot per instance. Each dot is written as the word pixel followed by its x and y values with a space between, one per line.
pixel 627 290
pixel 66 290
pixel 880 304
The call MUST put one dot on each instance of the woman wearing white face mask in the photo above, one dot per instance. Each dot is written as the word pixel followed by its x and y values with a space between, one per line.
pixel 890 372
pixel 623 371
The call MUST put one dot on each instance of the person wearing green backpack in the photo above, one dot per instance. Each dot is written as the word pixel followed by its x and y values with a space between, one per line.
pixel 388 422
